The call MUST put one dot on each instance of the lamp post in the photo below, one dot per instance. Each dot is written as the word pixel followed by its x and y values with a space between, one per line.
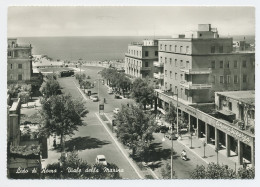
pixel 216 150
pixel 204 146
pixel 191 140
pixel 172 149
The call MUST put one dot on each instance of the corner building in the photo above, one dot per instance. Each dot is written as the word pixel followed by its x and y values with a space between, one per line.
pixel 202 64
pixel 19 62
pixel 140 57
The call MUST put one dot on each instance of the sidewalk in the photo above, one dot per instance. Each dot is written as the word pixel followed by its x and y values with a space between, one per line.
pixel 211 155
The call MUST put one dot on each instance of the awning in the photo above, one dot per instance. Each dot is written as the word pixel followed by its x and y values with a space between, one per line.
pixel 226 113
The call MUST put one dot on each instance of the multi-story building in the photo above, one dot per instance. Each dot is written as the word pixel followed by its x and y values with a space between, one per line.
pixel 199 65
pixel 19 61
pixel 140 57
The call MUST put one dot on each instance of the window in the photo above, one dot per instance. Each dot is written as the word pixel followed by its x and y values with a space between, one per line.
pixel 221 79
pixel 9 53
pixel 213 79
pixel 180 49
pixel 20 77
pixel 146 53
pixel 175 48
pixel 235 64
pixel 165 47
pixel 20 66
pixel 175 62
pixel 235 79
pixel 212 49
pixel 175 76
pixel 156 53
pixel 187 49
pixel 181 76
pixel 181 63
pixel 165 60
pixel 227 64
pixel 221 49
pixel 170 47
pixel 170 61
pixel 176 90
pixel 213 64
pixel 165 73
pixel 146 64
pixel 244 78
pixel 221 64
pixel 11 76
pixel 166 86
pixel 170 74
pixel 228 79
pixel 11 66
pixel 161 59
pixel 171 87
pixel 187 64
pixel 244 63
pixel 161 46
pixel 230 106
pixel 136 53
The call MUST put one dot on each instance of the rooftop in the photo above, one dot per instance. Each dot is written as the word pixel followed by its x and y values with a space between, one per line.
pixel 243 96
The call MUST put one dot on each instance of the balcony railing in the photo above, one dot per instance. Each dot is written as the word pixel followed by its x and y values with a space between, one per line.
pixel 158 75
pixel 158 64
pixel 197 71
pixel 191 86
pixel 145 68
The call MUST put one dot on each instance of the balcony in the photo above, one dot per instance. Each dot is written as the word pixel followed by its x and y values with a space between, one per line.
pixel 158 64
pixel 158 75
pixel 145 68
pixel 190 86
pixel 197 71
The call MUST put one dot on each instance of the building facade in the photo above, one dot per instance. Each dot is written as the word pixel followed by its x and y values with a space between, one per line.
pixel 140 57
pixel 198 66
pixel 19 61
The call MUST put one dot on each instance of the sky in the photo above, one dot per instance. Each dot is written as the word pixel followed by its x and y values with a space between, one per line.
pixel 126 21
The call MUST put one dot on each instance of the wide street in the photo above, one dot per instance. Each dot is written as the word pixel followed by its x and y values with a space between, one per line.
pixel 92 139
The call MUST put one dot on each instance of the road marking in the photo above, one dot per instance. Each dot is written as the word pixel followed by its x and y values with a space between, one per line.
pixel 130 162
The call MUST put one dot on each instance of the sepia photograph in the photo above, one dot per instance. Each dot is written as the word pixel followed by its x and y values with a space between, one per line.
pixel 130 92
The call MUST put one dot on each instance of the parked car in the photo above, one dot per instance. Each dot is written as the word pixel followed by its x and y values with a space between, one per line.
pixel 171 136
pixel 94 98
pixel 101 159
pixel 117 96
pixel 110 91
pixel 116 110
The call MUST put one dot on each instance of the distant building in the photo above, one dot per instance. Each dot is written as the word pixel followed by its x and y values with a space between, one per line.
pixel 140 57
pixel 242 46
pixel 202 64
pixel 42 61
pixel 19 61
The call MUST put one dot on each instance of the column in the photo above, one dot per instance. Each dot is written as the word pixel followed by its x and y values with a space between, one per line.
pixel 155 103
pixel 253 154
pixel 216 138
pixel 198 128
pixel 240 152
pixel 207 131
pixel 228 145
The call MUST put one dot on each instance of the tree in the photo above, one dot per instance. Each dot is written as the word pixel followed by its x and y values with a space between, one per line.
pixel 14 89
pixel 166 172
pixel 142 92
pixel 134 127
pixel 25 97
pixel 85 84
pixel 171 115
pixel 213 171
pixel 62 116
pixel 51 87
pixel 63 169
pixel 246 173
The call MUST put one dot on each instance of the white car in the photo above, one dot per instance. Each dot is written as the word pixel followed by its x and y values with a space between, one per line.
pixel 110 91
pixel 116 110
pixel 94 98
pixel 101 159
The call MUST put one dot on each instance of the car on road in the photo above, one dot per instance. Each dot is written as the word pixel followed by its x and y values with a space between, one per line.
pixel 101 159
pixel 94 98
pixel 116 110
pixel 117 96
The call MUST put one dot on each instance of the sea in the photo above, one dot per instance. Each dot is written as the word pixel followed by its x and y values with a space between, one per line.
pixel 90 48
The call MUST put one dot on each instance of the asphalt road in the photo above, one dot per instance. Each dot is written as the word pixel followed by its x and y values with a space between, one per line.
pixel 92 139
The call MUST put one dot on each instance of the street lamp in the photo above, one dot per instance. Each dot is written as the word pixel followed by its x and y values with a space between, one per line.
pixel 204 146
pixel 216 150
pixel 191 140
pixel 172 125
